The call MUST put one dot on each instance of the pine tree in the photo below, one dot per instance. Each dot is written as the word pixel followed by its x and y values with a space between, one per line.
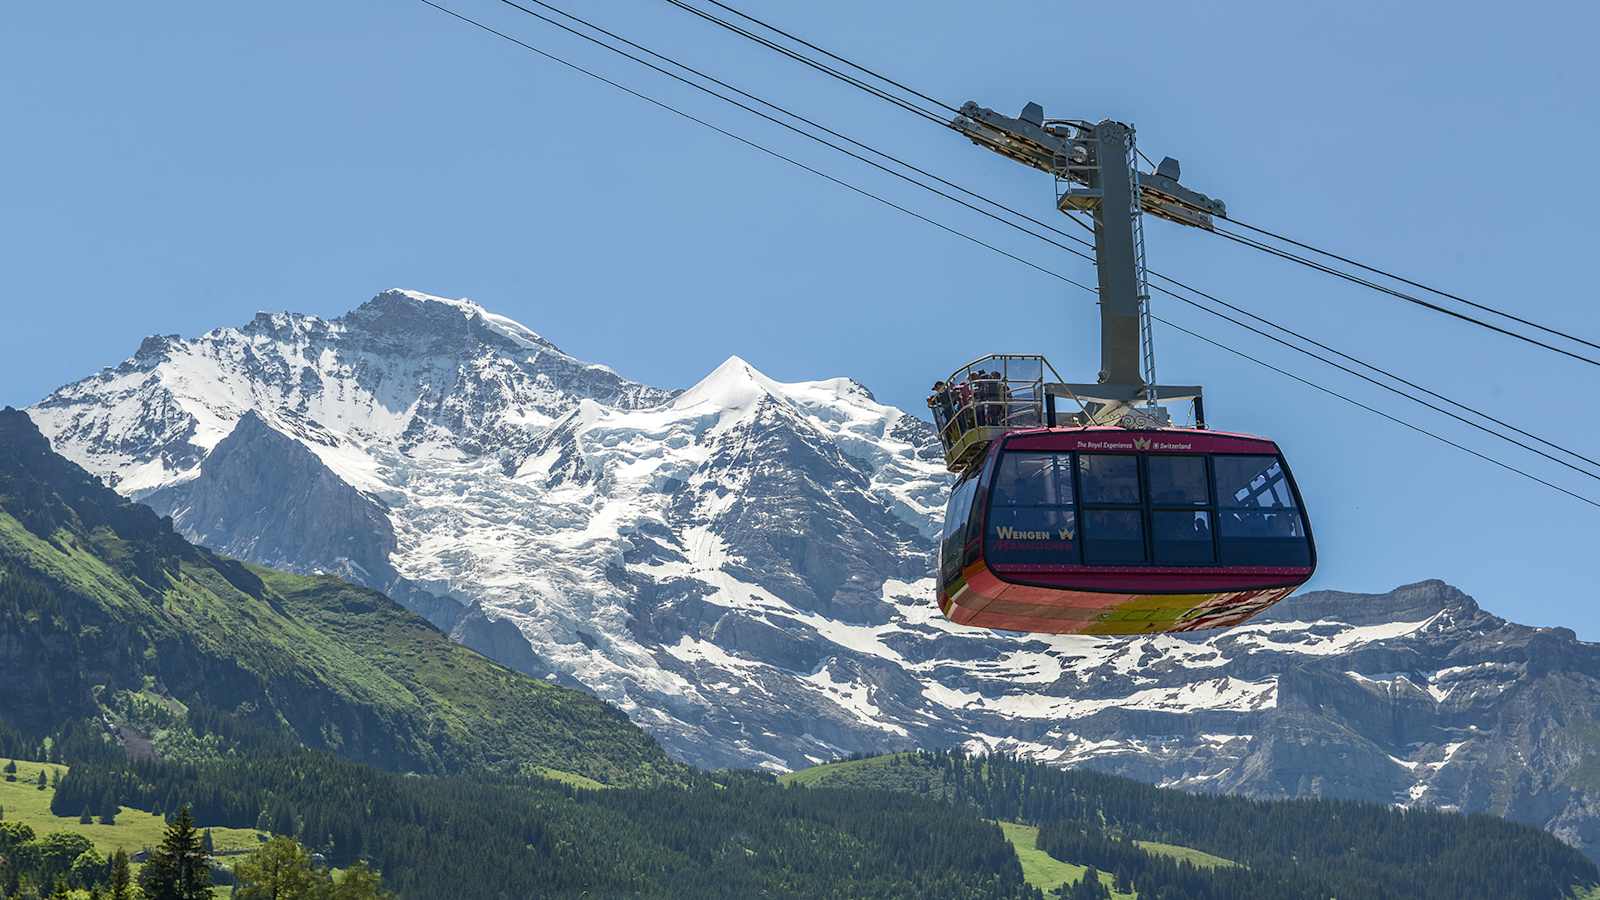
pixel 55 778
pixel 206 842
pixel 121 879
pixel 283 821
pixel 180 869
pixel 42 782
pixel 86 818
pixel 1089 887
pixel 60 890
pixel 11 770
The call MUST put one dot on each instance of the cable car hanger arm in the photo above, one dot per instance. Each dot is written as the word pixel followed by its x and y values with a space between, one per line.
pixel 1098 166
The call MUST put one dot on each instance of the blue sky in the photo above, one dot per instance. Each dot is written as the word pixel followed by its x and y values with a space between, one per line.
pixel 178 166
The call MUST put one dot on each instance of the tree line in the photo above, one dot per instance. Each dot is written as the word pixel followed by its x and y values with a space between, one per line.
pixel 741 834
pixel 1287 848
pixel 731 835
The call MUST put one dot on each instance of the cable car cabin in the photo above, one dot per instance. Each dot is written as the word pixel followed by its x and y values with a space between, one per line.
pixel 1113 531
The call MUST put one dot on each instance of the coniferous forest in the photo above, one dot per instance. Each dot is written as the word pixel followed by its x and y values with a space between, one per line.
pixel 1284 848
pixel 722 835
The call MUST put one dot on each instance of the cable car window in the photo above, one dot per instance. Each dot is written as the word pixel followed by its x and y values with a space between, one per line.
pixel 1034 479
pixel 1258 521
pixel 1032 535
pixel 1179 481
pixel 1113 536
pixel 1182 537
pixel 1109 479
pixel 1246 482
pixel 955 526
pixel 1031 516
pixel 1262 538
pixel 971 531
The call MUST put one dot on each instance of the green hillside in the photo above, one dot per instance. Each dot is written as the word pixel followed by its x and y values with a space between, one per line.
pixel 1172 843
pixel 1044 871
pixel 1188 854
pixel 1047 873
pixel 131 829
pixel 109 615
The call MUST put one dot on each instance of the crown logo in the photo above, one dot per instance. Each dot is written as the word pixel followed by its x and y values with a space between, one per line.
pixel 1141 443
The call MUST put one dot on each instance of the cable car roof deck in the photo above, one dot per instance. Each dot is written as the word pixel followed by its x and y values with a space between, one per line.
pixel 986 399
pixel 1008 393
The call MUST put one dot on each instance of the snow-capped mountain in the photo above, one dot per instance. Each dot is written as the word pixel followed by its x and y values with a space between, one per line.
pixel 426 375
pixel 744 568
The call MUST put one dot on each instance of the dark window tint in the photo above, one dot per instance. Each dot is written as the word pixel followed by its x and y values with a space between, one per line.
pixel 1032 535
pixel 1258 522
pixel 955 526
pixel 1179 481
pixel 1034 479
pixel 1109 479
pixel 1031 516
pixel 1113 536
pixel 1232 510
pixel 1252 482
pixel 1181 537
pixel 1263 538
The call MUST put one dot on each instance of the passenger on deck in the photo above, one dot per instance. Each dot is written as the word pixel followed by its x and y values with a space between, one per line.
pixel 943 408
pixel 988 390
pixel 964 405
pixel 1013 415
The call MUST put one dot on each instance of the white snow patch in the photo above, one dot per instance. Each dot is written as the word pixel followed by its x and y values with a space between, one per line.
pixel 854 698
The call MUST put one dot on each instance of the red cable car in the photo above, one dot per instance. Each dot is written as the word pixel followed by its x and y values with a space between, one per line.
pixel 1107 530
pixel 1116 523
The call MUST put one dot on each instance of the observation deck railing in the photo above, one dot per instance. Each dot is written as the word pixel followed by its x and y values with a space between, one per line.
pixel 986 398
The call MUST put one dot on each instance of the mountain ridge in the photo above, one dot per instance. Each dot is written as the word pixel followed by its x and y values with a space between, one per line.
pixel 743 567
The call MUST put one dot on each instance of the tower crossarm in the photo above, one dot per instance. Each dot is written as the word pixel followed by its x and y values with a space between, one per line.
pixel 1067 150
pixel 1162 196
pixel 1053 148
